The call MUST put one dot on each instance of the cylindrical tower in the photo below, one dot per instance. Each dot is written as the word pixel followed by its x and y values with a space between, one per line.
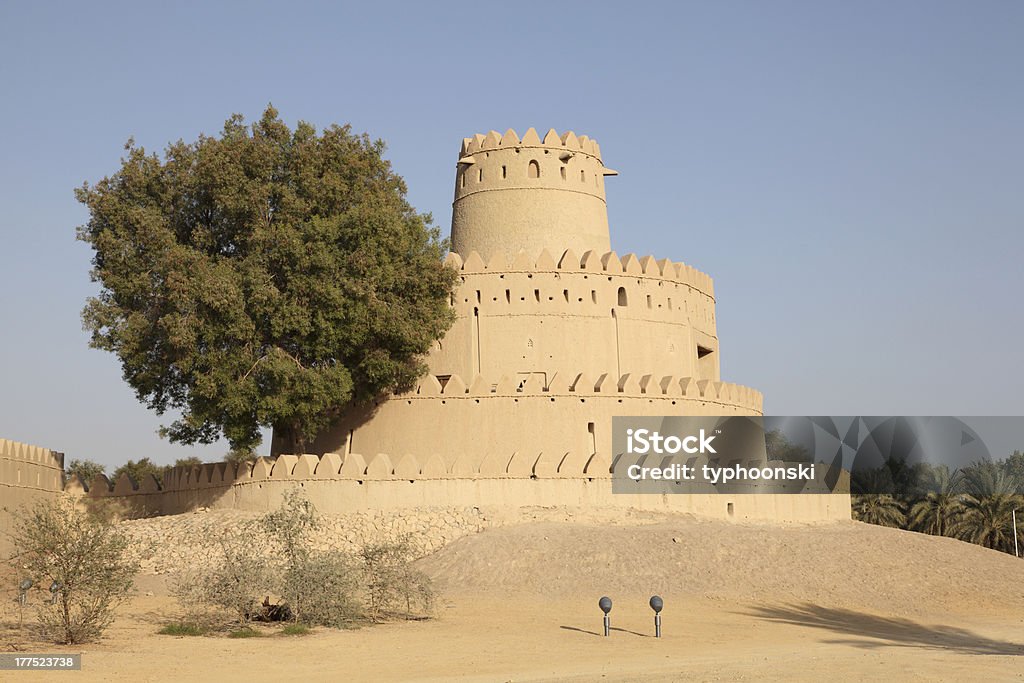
pixel 515 195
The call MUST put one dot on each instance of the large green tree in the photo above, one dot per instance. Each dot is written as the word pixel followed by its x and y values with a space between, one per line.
pixel 262 278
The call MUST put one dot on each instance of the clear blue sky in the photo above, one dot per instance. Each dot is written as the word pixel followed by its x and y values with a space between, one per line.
pixel 850 173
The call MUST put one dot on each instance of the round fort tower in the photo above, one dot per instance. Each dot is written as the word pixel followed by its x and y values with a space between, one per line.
pixel 554 333
pixel 529 195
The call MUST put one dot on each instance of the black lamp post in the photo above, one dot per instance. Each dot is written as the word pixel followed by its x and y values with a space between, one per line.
pixel 605 604
pixel 656 604
pixel 23 600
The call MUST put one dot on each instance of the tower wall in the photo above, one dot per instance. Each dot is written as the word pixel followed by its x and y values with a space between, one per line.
pixel 596 313
pixel 493 415
pixel 515 194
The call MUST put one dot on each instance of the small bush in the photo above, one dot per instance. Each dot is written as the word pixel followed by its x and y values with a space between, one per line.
pixel 229 584
pixel 287 554
pixel 183 629
pixel 245 632
pixel 394 587
pixel 319 585
pixel 85 562
pixel 296 630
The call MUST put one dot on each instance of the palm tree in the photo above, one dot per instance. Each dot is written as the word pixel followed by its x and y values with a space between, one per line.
pixel 940 505
pixel 881 509
pixel 986 478
pixel 987 520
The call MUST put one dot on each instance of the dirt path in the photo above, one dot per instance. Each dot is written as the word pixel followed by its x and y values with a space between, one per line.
pixel 844 602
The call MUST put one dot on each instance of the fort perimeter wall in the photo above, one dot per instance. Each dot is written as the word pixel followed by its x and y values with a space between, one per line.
pixel 27 474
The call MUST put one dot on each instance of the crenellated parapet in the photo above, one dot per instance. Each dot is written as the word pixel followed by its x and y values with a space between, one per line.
pixel 32 467
pixel 566 144
pixel 580 384
pixel 357 467
pixel 354 482
pixel 28 474
pixel 589 262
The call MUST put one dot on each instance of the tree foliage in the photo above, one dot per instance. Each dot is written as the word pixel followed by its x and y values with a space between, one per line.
pixel 975 503
pixel 262 278
pixel 85 470
pixel 138 470
pixel 988 521
pixel 879 508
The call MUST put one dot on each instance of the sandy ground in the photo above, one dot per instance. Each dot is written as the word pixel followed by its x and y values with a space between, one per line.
pixel 845 602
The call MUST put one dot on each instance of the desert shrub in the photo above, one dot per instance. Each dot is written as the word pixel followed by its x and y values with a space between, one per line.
pixel 296 630
pixel 229 580
pixel 393 586
pixel 286 555
pixel 319 584
pixel 245 632
pixel 83 557
pixel 183 629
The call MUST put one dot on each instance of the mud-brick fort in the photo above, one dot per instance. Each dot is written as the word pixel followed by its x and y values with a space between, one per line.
pixel 555 334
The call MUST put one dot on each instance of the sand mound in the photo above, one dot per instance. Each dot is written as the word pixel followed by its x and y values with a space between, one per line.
pixel 842 565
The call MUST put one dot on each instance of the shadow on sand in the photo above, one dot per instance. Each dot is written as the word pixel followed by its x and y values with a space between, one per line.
pixel 885 631
pixel 595 633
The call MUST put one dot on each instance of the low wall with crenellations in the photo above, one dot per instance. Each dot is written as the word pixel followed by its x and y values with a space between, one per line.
pixel 351 483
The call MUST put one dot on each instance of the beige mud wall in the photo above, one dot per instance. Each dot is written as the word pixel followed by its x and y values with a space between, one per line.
pixel 27 474
pixel 344 484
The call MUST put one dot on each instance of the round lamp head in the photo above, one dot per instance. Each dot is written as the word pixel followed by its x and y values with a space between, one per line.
pixel 605 604
pixel 657 603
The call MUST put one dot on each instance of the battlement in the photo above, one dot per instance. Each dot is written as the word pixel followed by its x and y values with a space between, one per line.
pixel 591 261
pixel 22 452
pixel 582 384
pixel 386 482
pixel 566 143
pixel 28 474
